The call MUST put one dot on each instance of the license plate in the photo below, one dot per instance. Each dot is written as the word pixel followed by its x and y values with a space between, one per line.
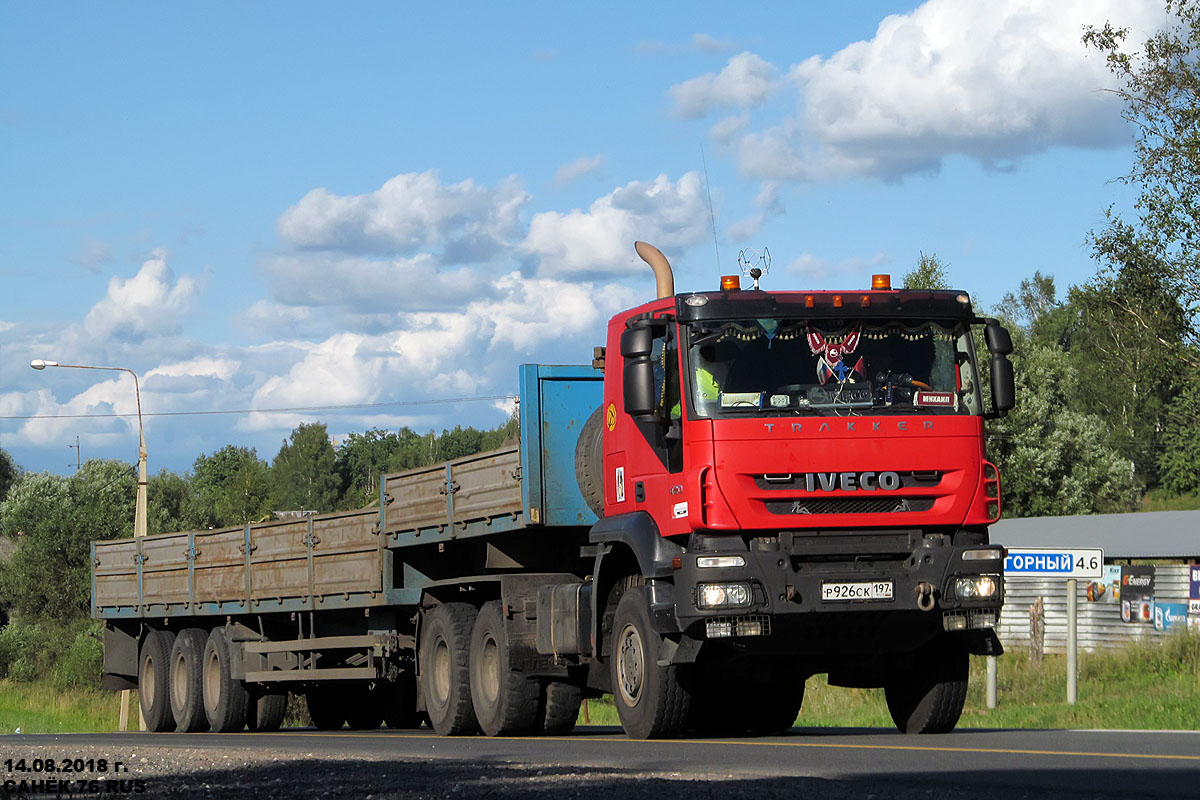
pixel 857 590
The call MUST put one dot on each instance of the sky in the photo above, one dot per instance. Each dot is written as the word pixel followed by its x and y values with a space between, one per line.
pixel 369 214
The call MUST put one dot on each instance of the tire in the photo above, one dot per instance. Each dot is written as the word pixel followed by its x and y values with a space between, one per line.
pixel 505 701
pixel 154 681
pixel 558 708
pixel 400 704
pixel 265 711
pixel 650 700
pixel 364 707
pixel 225 699
pixel 445 671
pixel 589 462
pixel 930 698
pixel 325 708
pixel 187 686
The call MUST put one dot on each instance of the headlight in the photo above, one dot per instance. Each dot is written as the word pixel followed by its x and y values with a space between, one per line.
pixel 723 595
pixel 979 586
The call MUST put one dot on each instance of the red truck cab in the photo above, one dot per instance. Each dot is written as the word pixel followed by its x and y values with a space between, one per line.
pixel 812 468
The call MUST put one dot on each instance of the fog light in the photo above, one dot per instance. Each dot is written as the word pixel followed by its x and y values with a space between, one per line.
pixel 750 627
pixel 722 595
pixel 954 622
pixel 979 586
pixel 718 630
pixel 716 562
pixel 983 619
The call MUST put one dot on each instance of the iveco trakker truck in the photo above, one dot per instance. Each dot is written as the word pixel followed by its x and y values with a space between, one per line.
pixel 744 489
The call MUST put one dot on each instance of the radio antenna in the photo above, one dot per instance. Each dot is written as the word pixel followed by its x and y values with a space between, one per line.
pixel 711 215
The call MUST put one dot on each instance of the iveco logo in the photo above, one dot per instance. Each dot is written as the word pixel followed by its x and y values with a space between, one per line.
pixel 851 481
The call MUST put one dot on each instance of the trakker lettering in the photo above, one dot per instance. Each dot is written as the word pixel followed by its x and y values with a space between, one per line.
pixel 850 426
pixel 851 481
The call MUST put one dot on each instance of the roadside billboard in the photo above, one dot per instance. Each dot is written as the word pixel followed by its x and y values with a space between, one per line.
pixel 1137 594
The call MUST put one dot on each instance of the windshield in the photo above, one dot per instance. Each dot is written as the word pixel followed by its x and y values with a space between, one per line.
pixel 832 367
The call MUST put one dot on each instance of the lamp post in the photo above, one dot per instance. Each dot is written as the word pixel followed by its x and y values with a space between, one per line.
pixel 139 513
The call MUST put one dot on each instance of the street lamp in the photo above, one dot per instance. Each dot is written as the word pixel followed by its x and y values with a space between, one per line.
pixel 139 512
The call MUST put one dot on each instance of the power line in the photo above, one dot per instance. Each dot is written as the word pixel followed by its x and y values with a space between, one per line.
pixel 284 410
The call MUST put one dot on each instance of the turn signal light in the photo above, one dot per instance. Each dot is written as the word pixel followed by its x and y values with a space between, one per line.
pixel 881 281
pixel 730 283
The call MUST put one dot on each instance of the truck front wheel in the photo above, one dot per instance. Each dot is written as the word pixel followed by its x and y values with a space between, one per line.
pixel 445 672
pixel 650 700
pixel 929 697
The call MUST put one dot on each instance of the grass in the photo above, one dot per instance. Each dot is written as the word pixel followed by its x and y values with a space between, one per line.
pixel 1145 686
pixel 39 707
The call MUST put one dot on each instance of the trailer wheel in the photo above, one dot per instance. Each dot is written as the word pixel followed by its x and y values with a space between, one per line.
pixel 929 698
pixel 589 462
pixel 650 700
pixel 506 701
pixel 265 710
pixel 326 708
pixel 400 704
pixel 225 699
pixel 187 691
pixel 558 708
pixel 445 672
pixel 154 683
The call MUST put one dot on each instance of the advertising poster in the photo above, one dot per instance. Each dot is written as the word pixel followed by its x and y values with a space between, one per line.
pixel 1169 616
pixel 1137 595
pixel 1107 588
pixel 1194 590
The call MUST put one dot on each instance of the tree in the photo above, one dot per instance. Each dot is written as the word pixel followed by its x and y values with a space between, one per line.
pixel 169 503
pixel 9 471
pixel 360 460
pixel 231 488
pixel 930 273
pixel 53 520
pixel 303 473
pixel 1179 459
pixel 1158 86
pixel 1054 458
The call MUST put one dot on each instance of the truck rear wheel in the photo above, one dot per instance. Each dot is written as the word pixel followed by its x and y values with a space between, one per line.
pixel 589 467
pixel 650 700
pixel 225 698
pixel 187 692
pixel 154 682
pixel 505 701
pixel 929 698
pixel 326 708
pixel 445 672
pixel 265 710
pixel 558 708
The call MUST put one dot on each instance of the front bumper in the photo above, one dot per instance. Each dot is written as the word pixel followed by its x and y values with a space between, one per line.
pixel 786 575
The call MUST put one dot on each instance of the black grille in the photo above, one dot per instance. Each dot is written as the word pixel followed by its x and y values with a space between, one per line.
pixel 795 482
pixel 851 505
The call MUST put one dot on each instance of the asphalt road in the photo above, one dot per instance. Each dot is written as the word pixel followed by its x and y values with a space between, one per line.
pixel 601 762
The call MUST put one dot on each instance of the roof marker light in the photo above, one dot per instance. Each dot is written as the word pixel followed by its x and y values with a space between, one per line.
pixel 881 281
pixel 866 301
pixel 808 301
pixel 837 301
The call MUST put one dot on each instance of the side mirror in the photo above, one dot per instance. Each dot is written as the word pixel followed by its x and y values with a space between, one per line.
pixel 999 344
pixel 636 346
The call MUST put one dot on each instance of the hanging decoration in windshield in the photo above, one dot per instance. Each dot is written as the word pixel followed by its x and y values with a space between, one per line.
pixel 831 355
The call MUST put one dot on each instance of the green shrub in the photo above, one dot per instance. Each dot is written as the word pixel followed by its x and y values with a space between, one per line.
pixel 81 663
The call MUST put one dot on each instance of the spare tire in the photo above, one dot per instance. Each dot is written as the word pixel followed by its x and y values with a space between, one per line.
pixel 589 462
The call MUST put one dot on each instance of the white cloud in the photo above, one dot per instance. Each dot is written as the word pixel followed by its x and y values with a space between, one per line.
pixel 710 44
pixel 745 82
pixel 150 303
pixel 991 81
pixel 600 240
pixel 578 168
pixel 412 211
